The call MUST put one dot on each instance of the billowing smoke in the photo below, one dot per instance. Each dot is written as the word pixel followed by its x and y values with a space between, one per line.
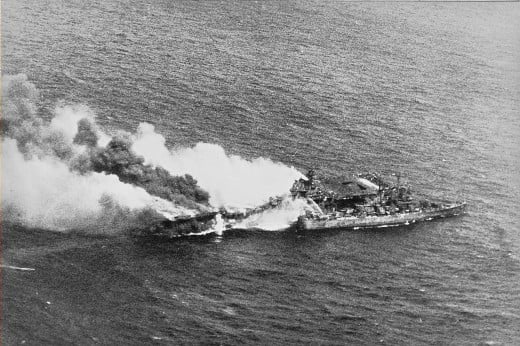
pixel 119 159
pixel 276 219
pixel 231 181
pixel 57 176
pixel 44 192
pixel 86 135
pixel 67 173
pixel 20 121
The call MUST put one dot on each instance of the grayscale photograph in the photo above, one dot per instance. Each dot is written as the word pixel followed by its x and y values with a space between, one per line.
pixel 242 172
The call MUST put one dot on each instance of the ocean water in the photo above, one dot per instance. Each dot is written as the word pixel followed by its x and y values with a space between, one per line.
pixel 428 89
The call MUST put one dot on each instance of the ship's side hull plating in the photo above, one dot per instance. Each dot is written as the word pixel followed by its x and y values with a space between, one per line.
pixel 328 221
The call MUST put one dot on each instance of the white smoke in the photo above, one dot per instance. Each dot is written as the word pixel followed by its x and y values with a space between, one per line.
pixel 42 188
pixel 39 188
pixel 276 219
pixel 44 193
pixel 66 120
pixel 231 181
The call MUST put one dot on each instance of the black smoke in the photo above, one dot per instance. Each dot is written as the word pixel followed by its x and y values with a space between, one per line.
pixel 23 121
pixel 86 134
pixel 118 158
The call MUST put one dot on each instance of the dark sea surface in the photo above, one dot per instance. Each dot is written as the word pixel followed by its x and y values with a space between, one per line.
pixel 428 89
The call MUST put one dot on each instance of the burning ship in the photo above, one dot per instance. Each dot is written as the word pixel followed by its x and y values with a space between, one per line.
pixel 368 201
pixel 210 221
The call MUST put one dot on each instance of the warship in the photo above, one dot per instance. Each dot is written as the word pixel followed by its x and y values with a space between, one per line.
pixel 167 226
pixel 368 201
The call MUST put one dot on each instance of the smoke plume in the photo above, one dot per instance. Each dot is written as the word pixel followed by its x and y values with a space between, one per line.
pixel 117 158
pixel 276 219
pixel 58 175
pixel 67 173
pixel 232 182
pixel 43 192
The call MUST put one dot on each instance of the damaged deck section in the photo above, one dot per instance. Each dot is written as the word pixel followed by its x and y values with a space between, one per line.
pixel 181 226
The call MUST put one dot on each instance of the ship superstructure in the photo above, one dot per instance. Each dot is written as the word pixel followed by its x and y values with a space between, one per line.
pixel 367 201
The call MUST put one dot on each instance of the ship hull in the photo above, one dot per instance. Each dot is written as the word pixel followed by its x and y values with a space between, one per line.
pixel 183 226
pixel 356 222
